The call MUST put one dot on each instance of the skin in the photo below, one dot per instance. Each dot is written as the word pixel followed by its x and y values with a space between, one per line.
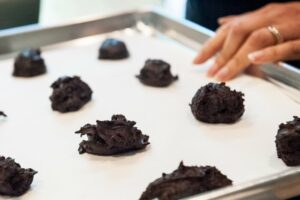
pixel 243 41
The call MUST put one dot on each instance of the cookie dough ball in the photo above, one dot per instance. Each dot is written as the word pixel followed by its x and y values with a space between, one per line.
pixel 3 114
pixel 29 63
pixel 14 180
pixel 112 137
pixel 113 49
pixel 156 73
pixel 69 94
pixel 216 103
pixel 288 142
pixel 185 181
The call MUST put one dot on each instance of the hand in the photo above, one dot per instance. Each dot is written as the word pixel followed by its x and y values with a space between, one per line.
pixel 244 40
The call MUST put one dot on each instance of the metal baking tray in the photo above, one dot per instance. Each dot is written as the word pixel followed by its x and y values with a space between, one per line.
pixel 278 186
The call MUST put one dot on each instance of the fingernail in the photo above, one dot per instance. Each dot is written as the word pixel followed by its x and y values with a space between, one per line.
pixel 212 70
pixel 198 58
pixel 223 73
pixel 256 56
pixel 195 60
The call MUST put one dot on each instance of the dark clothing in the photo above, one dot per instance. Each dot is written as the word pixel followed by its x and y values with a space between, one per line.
pixel 15 13
pixel 207 12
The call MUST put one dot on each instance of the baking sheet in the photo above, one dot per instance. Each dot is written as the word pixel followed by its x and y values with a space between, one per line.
pixel 44 140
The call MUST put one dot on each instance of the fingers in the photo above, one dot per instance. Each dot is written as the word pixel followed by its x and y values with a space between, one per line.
pixel 289 31
pixel 230 18
pixel 236 37
pixel 258 40
pixel 238 61
pixel 242 34
pixel 251 21
pixel 238 31
pixel 286 51
pixel 212 46
pixel 255 70
pixel 224 20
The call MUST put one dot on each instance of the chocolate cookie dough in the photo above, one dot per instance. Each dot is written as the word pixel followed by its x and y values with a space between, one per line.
pixel 14 180
pixel 113 49
pixel 29 63
pixel 156 73
pixel 69 94
pixel 112 137
pixel 288 142
pixel 3 114
pixel 184 182
pixel 216 103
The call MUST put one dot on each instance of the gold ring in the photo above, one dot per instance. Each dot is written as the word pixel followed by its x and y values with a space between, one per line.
pixel 276 34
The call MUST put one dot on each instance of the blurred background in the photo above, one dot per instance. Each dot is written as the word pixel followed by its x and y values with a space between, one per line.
pixel 15 13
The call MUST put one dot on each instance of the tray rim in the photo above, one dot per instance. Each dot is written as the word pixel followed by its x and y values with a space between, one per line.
pixel 256 189
pixel 10 39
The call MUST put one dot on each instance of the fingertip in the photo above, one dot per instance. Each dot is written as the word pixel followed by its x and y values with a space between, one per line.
pixel 220 79
pixel 223 74
pixel 195 61
pixel 223 79
pixel 209 74
pixel 212 70
pixel 199 58
pixel 221 21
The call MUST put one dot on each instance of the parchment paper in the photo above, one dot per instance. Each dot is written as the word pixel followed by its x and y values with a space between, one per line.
pixel 44 140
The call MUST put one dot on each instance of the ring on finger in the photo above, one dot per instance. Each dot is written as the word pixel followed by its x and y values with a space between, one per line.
pixel 276 34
